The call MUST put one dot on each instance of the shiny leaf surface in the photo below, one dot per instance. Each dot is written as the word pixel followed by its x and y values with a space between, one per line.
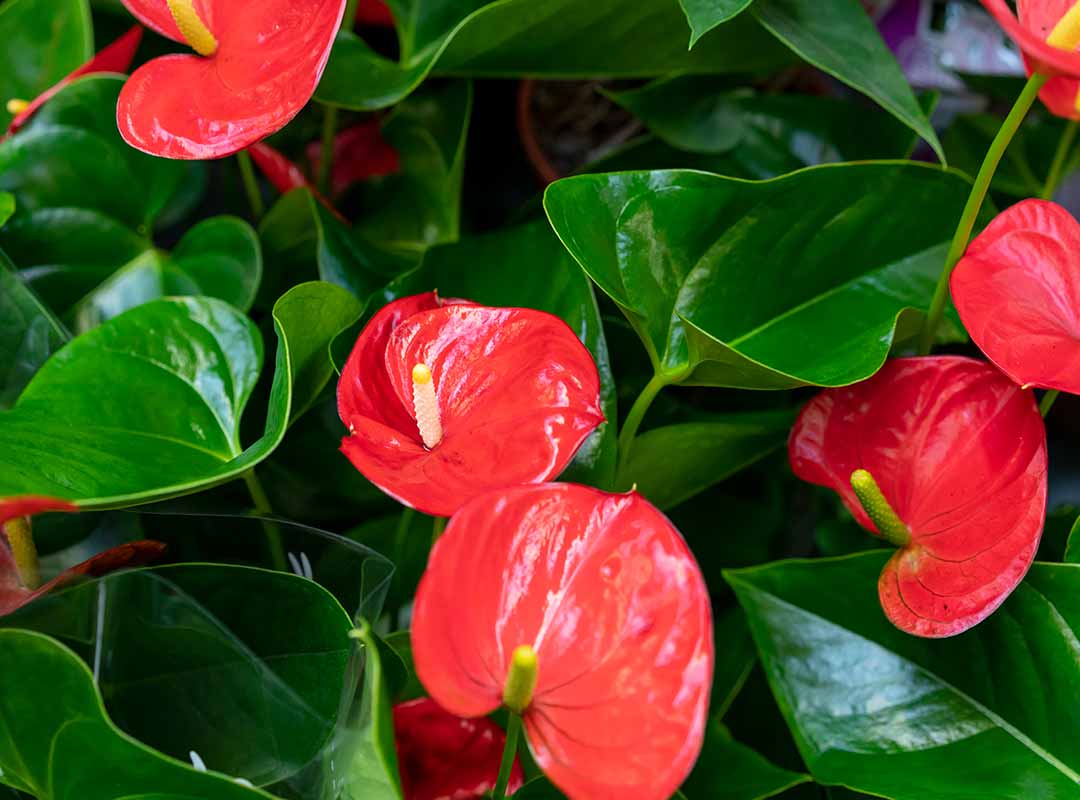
pixel 737 283
pixel 43 731
pixel 673 463
pixel 971 498
pixel 896 716
pixel 551 558
pixel 29 334
pixel 556 38
pixel 116 447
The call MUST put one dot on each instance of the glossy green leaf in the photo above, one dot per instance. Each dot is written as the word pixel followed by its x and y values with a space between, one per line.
pixel 43 40
pixel 420 205
pixel 727 770
pixel 836 36
pixel 372 770
pixel 770 134
pixel 219 257
pixel 526 267
pixel 152 399
pixel 988 713
pixel 545 38
pixel 673 463
pixel 57 742
pixel 29 334
pixel 187 662
pixel 746 284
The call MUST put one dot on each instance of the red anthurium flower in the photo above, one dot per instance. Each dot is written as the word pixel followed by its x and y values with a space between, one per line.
pixel 446 399
pixel 258 64
pixel 443 757
pixel 116 57
pixel 603 594
pixel 956 457
pixel 360 152
pixel 1017 292
pixel 1048 32
pixel 374 12
pixel 13 595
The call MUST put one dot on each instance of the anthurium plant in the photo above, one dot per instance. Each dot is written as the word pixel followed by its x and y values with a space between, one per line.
pixel 651 400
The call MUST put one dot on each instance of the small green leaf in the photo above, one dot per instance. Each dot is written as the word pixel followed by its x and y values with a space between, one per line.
pixel 893 715
pixel 673 463
pixel 727 770
pixel 704 15
pixel 43 40
pixel 1072 549
pixel 193 363
pixel 745 284
pixel 7 207
pixel 57 742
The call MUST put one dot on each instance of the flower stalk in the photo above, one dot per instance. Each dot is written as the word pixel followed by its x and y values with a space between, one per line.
pixel 513 732
pixel 20 537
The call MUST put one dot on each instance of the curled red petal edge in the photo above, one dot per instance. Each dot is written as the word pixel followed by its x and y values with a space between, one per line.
pixel 534 564
pixel 1045 58
pixel 285 176
pixel 899 425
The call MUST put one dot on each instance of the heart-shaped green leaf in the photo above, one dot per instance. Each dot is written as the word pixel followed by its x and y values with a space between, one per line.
pixel 29 334
pixel 151 401
pixel 57 742
pixel 43 40
pixel 673 463
pixel 837 37
pixel 187 662
pixel 555 38
pixel 746 284
pixel 728 770
pixel 893 715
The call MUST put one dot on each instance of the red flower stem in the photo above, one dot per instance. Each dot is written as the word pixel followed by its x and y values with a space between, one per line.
pixel 513 731
pixel 326 153
pixel 1048 402
pixel 263 508
pixel 975 200
pixel 251 184
pixel 1057 168
pixel 21 539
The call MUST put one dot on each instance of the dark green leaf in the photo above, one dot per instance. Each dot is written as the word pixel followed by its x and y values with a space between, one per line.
pixel 526 267
pixel 29 334
pixel 552 38
pixel 704 15
pixel 187 662
pixel 673 463
pixel 745 284
pixel 7 207
pixel 735 657
pixel 56 741
pixel 983 714
pixel 727 770
pixel 152 399
pixel 43 40
pixel 1072 550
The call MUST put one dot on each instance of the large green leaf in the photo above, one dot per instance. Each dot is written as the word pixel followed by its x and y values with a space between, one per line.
pixel 29 334
pixel 186 662
pixel 673 463
pixel 43 40
pixel 553 38
pixel 420 205
pixel 526 267
pixel 7 207
pixel 727 770
pixel 989 713
pixel 219 257
pixel 57 742
pixel 747 284
pixel 152 399
pixel 835 36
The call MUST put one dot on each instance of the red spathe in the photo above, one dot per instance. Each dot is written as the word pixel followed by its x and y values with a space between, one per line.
pixel 1017 290
pixel 444 757
pixel 959 451
pixel 606 591
pixel 517 392
pixel 270 56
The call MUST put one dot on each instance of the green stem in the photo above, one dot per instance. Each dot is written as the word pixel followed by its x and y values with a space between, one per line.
pixel 251 184
pixel 326 151
pixel 349 20
pixel 1048 402
pixel 974 204
pixel 637 413
pixel 263 508
pixel 1057 167
pixel 513 730
pixel 438 525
